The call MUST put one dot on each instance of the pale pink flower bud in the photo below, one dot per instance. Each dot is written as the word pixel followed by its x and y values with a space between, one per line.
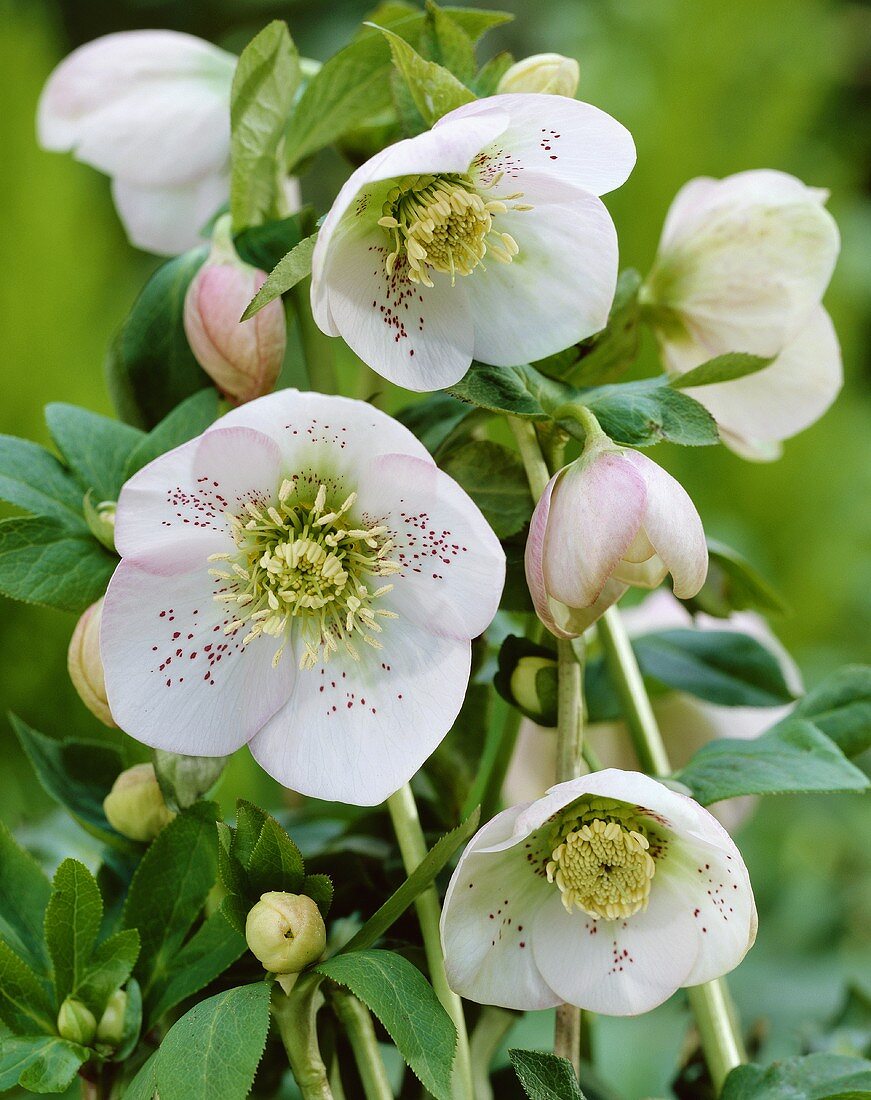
pixel 242 358
pixel 85 665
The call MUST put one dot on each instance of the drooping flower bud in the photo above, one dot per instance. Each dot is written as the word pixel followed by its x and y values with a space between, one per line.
pixel 76 1022
pixel 242 358
pixel 543 72
pixel 135 806
pixel 85 665
pixel 286 932
pixel 110 1029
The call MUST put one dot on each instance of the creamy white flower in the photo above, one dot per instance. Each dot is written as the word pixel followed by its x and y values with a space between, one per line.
pixel 742 266
pixel 301 577
pixel 482 238
pixel 151 109
pixel 610 893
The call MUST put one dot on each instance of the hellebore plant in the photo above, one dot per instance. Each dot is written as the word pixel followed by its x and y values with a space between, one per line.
pixel 333 587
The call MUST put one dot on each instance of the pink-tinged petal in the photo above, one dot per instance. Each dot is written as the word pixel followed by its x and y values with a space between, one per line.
pixel 168 220
pixel 176 507
pixel 673 526
pixel 785 397
pixel 596 510
pixel 557 290
pixel 487 922
pixel 622 967
pixel 453 566
pixel 174 679
pixel 576 620
pixel 563 137
pixel 355 731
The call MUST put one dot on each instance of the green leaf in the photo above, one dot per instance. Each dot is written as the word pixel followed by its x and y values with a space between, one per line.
pixel 545 1076
pixel 646 412
pixel 185 422
pixel 24 894
pixel 793 758
pixel 275 863
pixel 720 666
pixel 264 245
pixel 813 1077
pixel 25 1005
pixel 320 889
pixel 444 40
pixel 109 967
pixel 132 1026
pixel 47 1064
pixel 733 584
pixel 213 948
pixel 94 447
pixel 436 420
pixel 841 707
pixel 723 368
pixel 486 83
pixel 290 270
pixel 264 86
pixel 185 779
pixel 214 1050
pixel 250 820
pixel 144 1084
pixel 32 478
pixel 77 774
pixel 434 89
pixel 511 652
pixel 495 479
pixel 521 391
pixel 151 368
pixel 43 561
pixel 420 879
pixel 72 921
pixel 404 1002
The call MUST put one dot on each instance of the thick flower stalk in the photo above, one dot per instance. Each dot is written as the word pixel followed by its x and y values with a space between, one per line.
pixel 443 247
pixel 742 266
pixel 609 893
pixel 301 577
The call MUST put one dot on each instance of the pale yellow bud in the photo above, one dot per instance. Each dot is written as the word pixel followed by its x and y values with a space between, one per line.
pixel 110 1029
pixel 85 665
pixel 135 806
pixel 543 72
pixel 286 932
pixel 76 1022
pixel 526 687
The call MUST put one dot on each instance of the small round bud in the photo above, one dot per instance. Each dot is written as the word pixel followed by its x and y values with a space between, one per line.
pixel 76 1022
pixel 286 932
pixel 243 358
pixel 533 692
pixel 135 806
pixel 110 1029
pixel 85 666
pixel 543 72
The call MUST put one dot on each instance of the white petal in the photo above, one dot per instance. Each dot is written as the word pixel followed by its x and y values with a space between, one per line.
pixel 487 922
pixel 556 291
pixel 169 220
pixel 787 396
pixel 563 137
pixel 355 731
pixel 174 680
pixel 453 565
pixel 176 507
pixel 673 526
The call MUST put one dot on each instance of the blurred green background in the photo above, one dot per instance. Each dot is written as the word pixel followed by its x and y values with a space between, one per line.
pixel 706 87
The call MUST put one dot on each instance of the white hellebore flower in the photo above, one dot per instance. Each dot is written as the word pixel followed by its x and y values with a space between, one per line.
pixel 301 577
pixel 742 266
pixel 151 109
pixel 482 238
pixel 608 520
pixel 610 893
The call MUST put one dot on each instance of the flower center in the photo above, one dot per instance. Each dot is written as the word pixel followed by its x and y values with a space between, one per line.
pixel 444 223
pixel 300 561
pixel 602 865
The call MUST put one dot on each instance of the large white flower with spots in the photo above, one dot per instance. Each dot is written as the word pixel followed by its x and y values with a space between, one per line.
pixel 301 577
pixel 482 238
pixel 742 266
pixel 610 893
pixel 151 109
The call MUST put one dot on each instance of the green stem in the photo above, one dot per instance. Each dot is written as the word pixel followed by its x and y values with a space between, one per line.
pixel 537 473
pixel 406 825
pixel 493 1025
pixel 355 1018
pixel 495 778
pixel 296 1016
pixel 317 347
pixel 711 1003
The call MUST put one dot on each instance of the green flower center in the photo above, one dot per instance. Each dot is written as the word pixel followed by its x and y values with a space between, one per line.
pixel 300 561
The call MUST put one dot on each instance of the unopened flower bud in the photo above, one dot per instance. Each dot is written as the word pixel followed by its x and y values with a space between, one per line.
pixel 85 665
pixel 286 932
pixel 76 1022
pixel 533 684
pixel 110 1029
pixel 135 806
pixel 242 358
pixel 543 72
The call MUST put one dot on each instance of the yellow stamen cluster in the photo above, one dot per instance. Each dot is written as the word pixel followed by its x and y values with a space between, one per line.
pixel 301 563
pixel 444 223
pixel 604 868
